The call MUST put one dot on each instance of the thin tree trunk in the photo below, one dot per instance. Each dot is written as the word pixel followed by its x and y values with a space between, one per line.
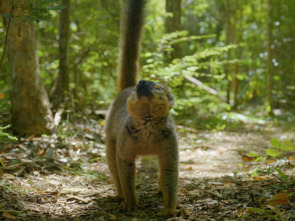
pixel 173 23
pixel 31 112
pixel 229 39
pixel 269 77
pixel 235 80
pixel 61 85
pixel 292 31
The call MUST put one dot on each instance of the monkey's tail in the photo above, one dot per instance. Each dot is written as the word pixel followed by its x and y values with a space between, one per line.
pixel 131 25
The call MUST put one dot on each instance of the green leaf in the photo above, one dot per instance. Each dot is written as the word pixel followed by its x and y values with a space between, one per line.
pixel 252 154
pixel 282 175
pixel 257 210
pixel 268 108
pixel 288 146
pixel 2 163
pixel 277 187
pixel 273 152
pixel 276 143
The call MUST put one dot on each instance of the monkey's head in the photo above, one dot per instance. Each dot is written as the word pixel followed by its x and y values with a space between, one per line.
pixel 150 100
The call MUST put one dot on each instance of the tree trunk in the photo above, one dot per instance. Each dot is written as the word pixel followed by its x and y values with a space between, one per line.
pixel 31 112
pixel 229 38
pixel 61 85
pixel 269 76
pixel 173 23
pixel 235 80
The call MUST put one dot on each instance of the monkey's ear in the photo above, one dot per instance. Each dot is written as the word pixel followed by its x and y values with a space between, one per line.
pixel 170 96
pixel 170 100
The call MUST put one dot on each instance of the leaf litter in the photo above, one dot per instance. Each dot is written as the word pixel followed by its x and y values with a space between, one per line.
pixel 219 179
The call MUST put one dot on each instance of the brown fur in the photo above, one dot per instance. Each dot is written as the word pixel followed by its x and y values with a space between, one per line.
pixel 131 24
pixel 139 124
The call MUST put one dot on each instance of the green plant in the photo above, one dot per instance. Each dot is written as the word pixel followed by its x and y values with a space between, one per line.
pixel 6 137
pixel 280 148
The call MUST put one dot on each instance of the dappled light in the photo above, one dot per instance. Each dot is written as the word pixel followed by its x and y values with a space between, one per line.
pixel 147 110
pixel 217 173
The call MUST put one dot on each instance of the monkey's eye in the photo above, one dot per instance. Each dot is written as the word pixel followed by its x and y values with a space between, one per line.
pixel 157 86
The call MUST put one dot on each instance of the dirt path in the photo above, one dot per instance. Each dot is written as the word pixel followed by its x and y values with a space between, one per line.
pixel 214 181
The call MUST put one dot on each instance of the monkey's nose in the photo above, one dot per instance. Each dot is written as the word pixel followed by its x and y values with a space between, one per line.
pixel 142 82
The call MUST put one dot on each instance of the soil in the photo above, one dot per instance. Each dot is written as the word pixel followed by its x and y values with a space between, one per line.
pixel 219 177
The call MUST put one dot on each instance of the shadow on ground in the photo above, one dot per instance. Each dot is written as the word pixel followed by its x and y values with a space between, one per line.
pixel 214 180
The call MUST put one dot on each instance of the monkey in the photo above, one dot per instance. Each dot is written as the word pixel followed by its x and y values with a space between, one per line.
pixel 139 122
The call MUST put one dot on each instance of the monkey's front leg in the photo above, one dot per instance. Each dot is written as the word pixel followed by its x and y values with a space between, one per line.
pixel 126 170
pixel 169 181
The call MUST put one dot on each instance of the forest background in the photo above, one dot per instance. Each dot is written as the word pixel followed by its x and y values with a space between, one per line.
pixel 220 58
pixel 230 65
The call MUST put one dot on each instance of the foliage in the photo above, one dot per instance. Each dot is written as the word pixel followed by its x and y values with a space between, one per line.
pixel 36 11
pixel 280 148
pixel 209 54
pixel 6 137
pixel 189 97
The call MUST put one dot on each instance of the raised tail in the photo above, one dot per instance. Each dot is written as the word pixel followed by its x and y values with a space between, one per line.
pixel 131 25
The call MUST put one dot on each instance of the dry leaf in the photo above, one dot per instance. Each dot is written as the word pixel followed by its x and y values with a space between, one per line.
pixel 3 204
pixel 278 199
pixel 42 152
pixel 112 217
pixel 259 178
pixel 229 184
pixel 8 216
pixel 248 159
pixel 270 161
pixel 239 212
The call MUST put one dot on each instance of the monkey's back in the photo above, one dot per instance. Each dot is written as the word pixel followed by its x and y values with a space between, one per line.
pixel 118 114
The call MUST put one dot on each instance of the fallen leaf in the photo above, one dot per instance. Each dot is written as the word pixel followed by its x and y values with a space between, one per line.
pixel 255 210
pixel 79 199
pixel 259 178
pixel 229 184
pixel 249 159
pixel 112 217
pixel 42 152
pixel 70 190
pixel 3 204
pixel 8 176
pixel 270 161
pixel 189 168
pixel 239 212
pixel 31 137
pixel 8 216
pixel 278 199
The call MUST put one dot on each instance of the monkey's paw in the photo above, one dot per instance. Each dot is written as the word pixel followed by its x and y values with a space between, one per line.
pixel 130 206
pixel 170 212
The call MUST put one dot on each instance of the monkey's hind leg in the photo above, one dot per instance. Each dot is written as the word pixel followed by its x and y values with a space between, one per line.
pixel 111 159
pixel 127 178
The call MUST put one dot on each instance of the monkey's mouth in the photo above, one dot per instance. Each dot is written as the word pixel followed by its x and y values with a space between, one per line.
pixel 143 90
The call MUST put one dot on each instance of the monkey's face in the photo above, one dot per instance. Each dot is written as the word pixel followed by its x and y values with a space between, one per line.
pixel 150 100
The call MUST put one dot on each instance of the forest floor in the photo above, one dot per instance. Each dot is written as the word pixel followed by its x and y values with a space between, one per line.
pixel 220 177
